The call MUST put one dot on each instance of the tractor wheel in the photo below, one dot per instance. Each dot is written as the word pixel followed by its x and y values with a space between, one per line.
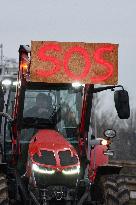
pixel 4 200
pixel 123 192
pixel 109 191
pixel 114 190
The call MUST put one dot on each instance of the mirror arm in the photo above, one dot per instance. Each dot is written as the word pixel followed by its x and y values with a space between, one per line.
pixel 96 141
pixel 96 90
pixel 7 116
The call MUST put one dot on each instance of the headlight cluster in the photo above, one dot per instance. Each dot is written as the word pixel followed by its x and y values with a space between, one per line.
pixel 66 171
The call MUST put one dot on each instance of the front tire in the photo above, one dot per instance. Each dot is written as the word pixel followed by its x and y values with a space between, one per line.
pixel 114 190
pixel 4 199
pixel 109 191
pixel 123 192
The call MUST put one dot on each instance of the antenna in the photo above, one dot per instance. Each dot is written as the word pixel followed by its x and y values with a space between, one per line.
pixel 1 59
pixel 1 54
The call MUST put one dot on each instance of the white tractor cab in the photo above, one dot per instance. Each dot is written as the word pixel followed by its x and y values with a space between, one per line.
pixel 46 150
pixel 9 83
pixel 7 96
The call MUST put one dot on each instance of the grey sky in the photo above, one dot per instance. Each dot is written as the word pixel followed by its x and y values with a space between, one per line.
pixel 73 20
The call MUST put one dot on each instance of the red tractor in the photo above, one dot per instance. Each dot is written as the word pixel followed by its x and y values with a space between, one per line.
pixel 48 156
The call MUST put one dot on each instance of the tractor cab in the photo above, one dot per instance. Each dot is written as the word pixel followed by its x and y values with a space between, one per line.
pixel 51 107
pixel 48 107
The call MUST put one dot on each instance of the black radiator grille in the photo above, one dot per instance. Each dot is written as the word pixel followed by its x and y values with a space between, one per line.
pixel 47 157
pixel 66 158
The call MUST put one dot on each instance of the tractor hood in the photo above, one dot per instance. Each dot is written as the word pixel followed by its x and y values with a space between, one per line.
pixel 50 148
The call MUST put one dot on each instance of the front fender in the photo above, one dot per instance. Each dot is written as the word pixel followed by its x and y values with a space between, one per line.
pixel 108 169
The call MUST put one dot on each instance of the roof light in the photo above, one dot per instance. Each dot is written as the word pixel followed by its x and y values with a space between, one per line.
pixel 24 63
pixel 77 84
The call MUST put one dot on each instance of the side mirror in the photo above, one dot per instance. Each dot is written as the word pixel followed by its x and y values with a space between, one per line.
pixel 121 100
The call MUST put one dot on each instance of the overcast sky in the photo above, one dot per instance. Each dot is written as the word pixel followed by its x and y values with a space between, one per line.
pixel 73 20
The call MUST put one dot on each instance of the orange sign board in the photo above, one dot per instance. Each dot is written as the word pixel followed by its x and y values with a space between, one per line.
pixel 68 62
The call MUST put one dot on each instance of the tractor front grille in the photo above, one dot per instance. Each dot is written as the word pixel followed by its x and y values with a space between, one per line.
pixel 66 158
pixel 47 157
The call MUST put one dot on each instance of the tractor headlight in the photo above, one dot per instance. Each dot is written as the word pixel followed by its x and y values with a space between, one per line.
pixel 104 142
pixel 6 82
pixel 72 170
pixel 42 170
pixel 15 83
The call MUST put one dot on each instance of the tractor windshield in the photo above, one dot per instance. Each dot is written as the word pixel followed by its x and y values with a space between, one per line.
pixel 60 109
